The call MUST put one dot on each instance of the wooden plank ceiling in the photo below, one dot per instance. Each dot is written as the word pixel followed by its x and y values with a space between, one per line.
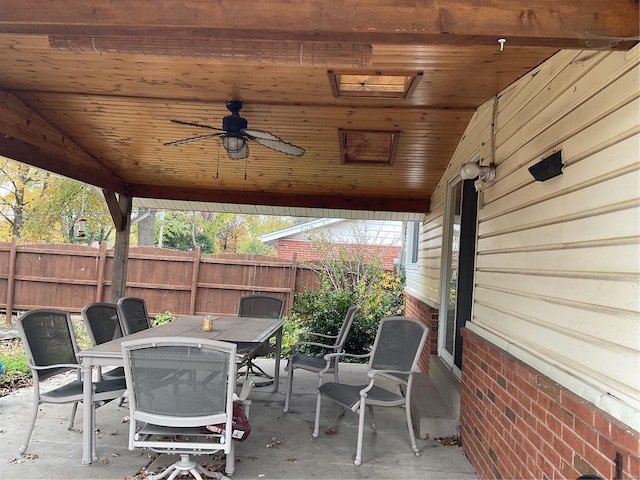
pixel 88 89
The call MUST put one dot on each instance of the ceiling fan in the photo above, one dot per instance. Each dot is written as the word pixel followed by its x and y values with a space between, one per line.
pixel 234 134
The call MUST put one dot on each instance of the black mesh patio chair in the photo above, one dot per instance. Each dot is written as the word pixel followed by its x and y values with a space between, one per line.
pixel 133 314
pixel 394 356
pixel 316 363
pixel 48 339
pixel 261 306
pixel 103 325
pixel 177 388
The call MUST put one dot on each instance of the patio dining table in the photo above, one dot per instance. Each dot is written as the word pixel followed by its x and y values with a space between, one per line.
pixel 225 328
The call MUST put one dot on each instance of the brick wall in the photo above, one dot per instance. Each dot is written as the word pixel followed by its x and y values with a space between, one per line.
pixel 414 308
pixel 306 252
pixel 517 423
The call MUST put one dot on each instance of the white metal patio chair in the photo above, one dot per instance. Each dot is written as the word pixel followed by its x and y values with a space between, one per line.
pixel 133 314
pixel 262 306
pixel 177 386
pixel 48 339
pixel 394 356
pixel 313 363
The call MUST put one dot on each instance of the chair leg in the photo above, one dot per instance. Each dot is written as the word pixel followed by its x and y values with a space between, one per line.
pixel 373 418
pixel 72 416
pixel 36 405
pixel 230 461
pixel 363 404
pixel 317 423
pixel 412 434
pixel 289 388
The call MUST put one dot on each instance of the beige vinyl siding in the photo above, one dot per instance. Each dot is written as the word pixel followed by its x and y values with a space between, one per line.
pixel 557 279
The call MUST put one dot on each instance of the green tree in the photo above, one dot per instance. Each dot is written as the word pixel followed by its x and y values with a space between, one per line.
pixel 183 231
pixel 20 185
pixel 55 216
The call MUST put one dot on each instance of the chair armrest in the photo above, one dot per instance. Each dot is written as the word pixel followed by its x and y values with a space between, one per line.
pixel 395 375
pixel 316 334
pixel 373 373
pixel 244 396
pixel 246 390
pixel 315 344
pixel 57 365
pixel 329 356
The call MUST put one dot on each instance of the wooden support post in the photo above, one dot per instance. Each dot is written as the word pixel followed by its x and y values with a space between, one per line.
pixel 102 263
pixel 11 279
pixel 194 280
pixel 120 207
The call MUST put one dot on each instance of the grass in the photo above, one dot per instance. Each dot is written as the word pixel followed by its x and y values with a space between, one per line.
pixel 14 358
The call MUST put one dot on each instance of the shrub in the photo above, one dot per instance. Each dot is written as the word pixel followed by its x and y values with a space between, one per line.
pixel 163 318
pixel 14 361
pixel 321 311
pixel 349 276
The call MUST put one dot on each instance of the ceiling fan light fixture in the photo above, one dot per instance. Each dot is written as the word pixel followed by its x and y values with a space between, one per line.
pixel 233 143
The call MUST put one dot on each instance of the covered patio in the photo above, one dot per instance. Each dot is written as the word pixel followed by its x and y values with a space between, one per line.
pixel 380 95
pixel 279 446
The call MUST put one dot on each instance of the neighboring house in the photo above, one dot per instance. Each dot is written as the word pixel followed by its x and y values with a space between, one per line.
pixel 544 276
pixel 380 237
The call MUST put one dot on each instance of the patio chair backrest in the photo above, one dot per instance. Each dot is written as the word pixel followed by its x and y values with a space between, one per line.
pixel 345 328
pixel 48 339
pixel 180 382
pixel 262 306
pixel 133 314
pixel 102 321
pixel 398 345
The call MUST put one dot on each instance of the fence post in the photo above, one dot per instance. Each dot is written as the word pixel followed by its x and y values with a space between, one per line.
pixel 102 261
pixel 11 278
pixel 194 280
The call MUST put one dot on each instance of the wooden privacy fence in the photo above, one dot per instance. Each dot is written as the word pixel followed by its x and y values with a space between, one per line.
pixel 69 276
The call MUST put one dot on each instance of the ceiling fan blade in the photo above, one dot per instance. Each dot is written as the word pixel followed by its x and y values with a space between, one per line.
pixel 192 139
pixel 192 124
pixel 239 154
pixel 253 134
pixel 280 146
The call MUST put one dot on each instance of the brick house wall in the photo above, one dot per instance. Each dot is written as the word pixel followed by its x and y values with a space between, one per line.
pixel 414 308
pixel 306 252
pixel 517 423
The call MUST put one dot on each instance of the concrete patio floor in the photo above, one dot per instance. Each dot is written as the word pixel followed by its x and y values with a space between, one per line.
pixel 280 445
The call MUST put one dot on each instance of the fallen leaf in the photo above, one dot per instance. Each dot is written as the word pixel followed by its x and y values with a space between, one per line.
pixel 30 456
pixel 105 461
pixel 330 431
pixel 115 433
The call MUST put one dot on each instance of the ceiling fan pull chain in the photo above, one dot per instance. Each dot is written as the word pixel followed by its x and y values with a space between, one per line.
pixel 218 166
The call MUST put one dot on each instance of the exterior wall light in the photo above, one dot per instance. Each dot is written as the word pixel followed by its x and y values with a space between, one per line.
pixel 472 170
pixel 548 167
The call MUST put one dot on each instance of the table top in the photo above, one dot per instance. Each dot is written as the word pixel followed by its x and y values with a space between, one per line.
pixel 236 329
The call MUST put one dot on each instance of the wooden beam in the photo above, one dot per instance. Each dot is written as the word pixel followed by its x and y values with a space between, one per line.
pixel 599 24
pixel 29 138
pixel 120 207
pixel 118 216
pixel 311 200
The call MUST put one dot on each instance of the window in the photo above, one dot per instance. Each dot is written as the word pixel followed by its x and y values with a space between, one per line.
pixel 413 244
